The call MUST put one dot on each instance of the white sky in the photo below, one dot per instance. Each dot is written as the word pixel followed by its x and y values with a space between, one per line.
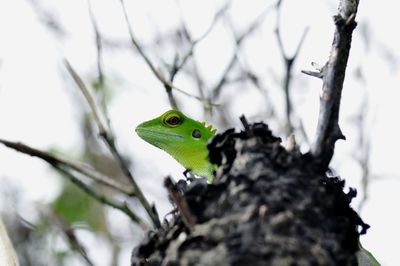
pixel 37 106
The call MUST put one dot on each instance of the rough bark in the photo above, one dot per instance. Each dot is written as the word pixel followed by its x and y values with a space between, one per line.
pixel 267 206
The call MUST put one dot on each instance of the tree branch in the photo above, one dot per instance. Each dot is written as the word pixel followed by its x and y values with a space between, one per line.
pixel 99 49
pixel 108 138
pixel 167 84
pixel 178 65
pixel 101 197
pixel 79 167
pixel 69 234
pixel 216 91
pixel 289 62
pixel 61 164
pixel 328 130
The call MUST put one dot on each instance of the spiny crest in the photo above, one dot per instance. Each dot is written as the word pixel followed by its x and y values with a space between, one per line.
pixel 210 128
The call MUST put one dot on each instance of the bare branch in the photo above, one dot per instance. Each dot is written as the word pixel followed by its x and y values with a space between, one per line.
pixel 79 167
pixel 249 75
pixel 179 64
pixel 167 84
pixel 48 18
pixel 193 43
pixel 288 61
pixel 101 197
pixel 96 114
pixel 61 165
pixel 99 49
pixel 363 152
pixel 110 141
pixel 238 41
pixel 69 234
pixel 328 130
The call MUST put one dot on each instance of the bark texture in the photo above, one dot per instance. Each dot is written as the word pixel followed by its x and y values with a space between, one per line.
pixel 267 206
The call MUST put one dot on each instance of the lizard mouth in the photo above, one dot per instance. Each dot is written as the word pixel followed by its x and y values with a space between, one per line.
pixel 156 133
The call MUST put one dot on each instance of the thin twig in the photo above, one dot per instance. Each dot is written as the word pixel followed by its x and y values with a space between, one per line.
pixel 289 62
pixel 173 72
pixel 303 132
pixel 92 105
pixel 328 130
pixel 156 72
pixel 257 82
pixel 101 197
pixel 193 43
pixel 319 73
pixel 61 165
pixel 101 79
pixel 178 65
pixel 69 234
pixel 110 141
pixel 315 74
pixel 216 91
pixel 363 152
pixel 79 167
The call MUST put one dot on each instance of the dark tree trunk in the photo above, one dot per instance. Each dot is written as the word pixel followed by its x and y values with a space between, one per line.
pixel 267 206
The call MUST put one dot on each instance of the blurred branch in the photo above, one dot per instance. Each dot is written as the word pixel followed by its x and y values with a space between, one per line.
pixel 363 151
pixel 200 86
pixel 69 234
pixel 238 41
pixel 108 138
pixel 193 43
pixel 171 98
pixel 257 82
pixel 103 132
pixel 288 61
pixel 99 49
pixel 61 165
pixel 102 198
pixel 48 18
pixel 363 160
pixel 167 84
pixel 56 160
pixel 303 132
pixel 178 65
pixel 328 130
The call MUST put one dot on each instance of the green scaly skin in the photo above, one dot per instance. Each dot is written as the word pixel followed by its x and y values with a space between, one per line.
pixel 173 132
pixel 183 138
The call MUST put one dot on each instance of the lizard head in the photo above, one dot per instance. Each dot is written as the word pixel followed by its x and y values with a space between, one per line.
pixel 173 129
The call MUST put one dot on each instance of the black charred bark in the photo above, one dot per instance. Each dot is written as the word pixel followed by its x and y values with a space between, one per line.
pixel 267 206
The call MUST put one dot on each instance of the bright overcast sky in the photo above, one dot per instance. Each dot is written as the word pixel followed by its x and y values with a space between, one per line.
pixel 38 107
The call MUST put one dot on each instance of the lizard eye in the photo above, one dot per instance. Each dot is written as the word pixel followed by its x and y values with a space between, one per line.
pixel 172 120
pixel 196 134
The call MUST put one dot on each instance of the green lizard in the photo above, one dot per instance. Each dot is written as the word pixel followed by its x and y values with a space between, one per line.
pixel 186 140
pixel 181 137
